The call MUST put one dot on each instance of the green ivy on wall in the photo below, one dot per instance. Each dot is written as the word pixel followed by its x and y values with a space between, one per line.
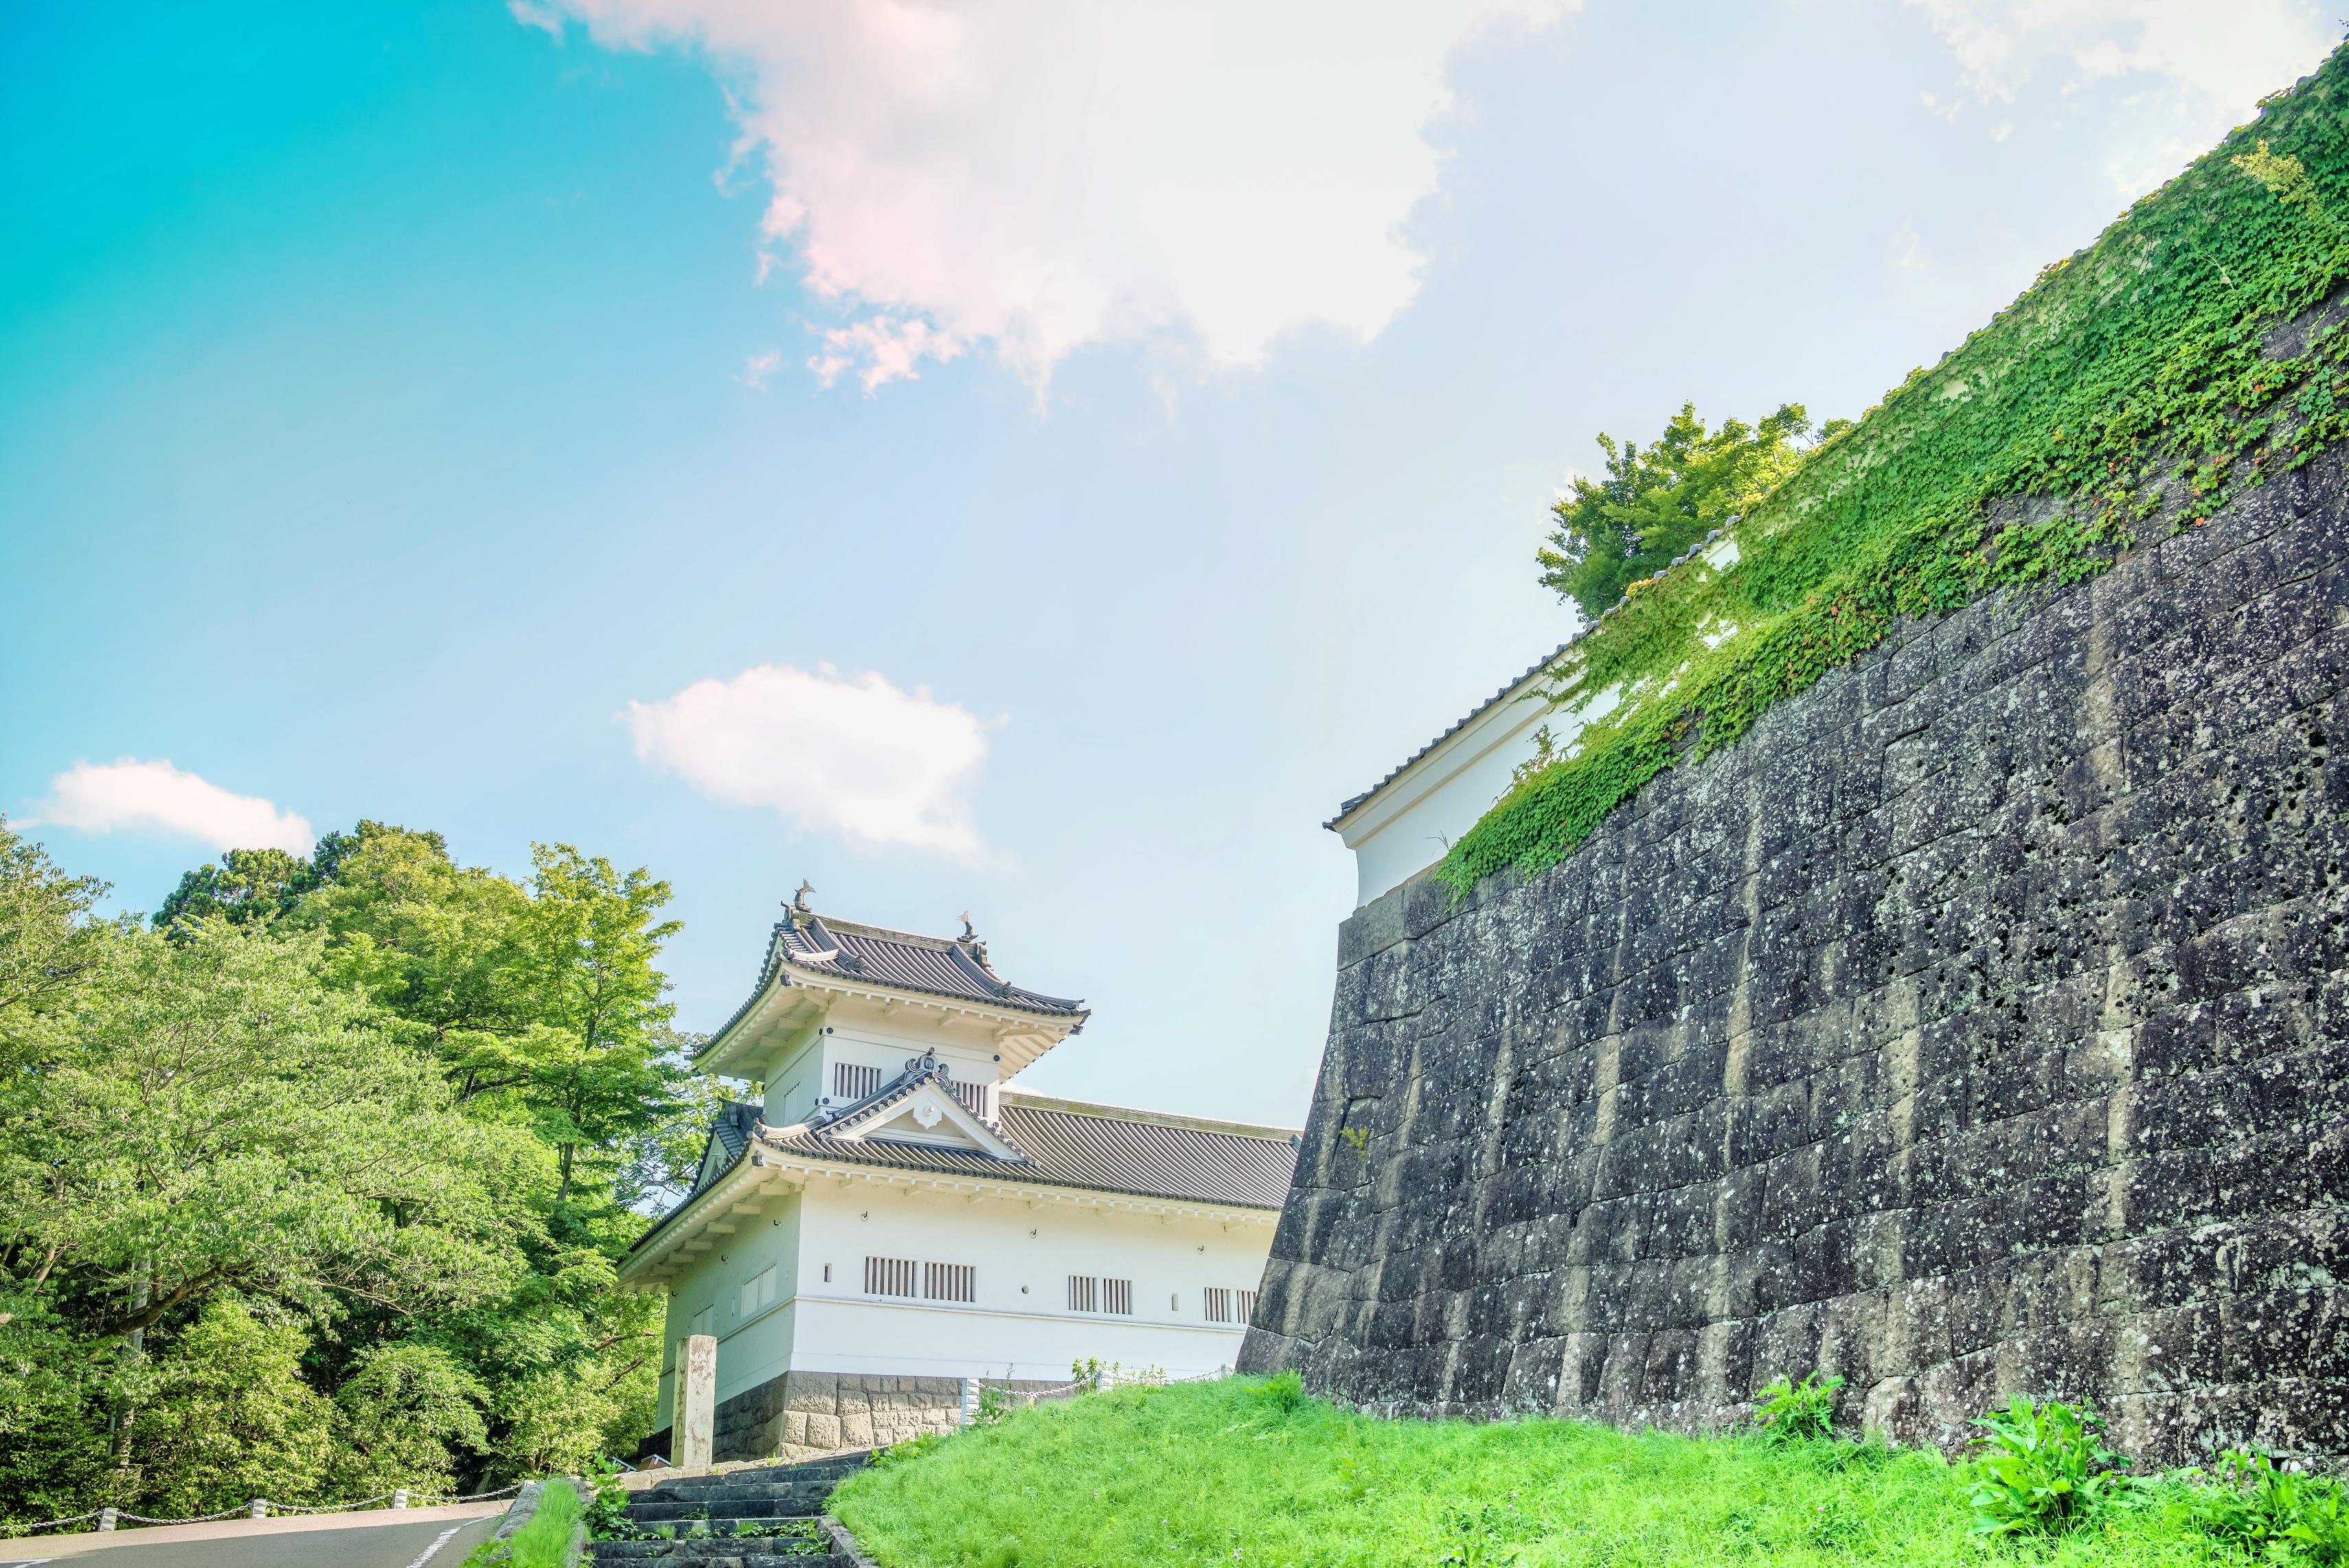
pixel 2131 385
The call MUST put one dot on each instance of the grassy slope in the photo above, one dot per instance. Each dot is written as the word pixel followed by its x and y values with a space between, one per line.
pixel 2122 396
pixel 544 1537
pixel 1216 1473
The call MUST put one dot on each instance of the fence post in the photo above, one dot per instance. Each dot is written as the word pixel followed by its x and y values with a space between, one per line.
pixel 260 1507
pixel 1104 1380
pixel 969 1401
pixel 106 1517
pixel 399 1498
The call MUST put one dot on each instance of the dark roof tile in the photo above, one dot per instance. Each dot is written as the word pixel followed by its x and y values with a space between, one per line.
pixel 1094 1147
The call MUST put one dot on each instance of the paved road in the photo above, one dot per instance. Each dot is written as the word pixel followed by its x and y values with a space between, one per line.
pixel 426 1538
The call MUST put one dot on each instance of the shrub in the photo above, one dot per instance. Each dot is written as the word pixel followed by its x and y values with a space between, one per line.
pixel 2267 1512
pixel 1284 1391
pixel 607 1505
pixel 2045 1469
pixel 1804 1412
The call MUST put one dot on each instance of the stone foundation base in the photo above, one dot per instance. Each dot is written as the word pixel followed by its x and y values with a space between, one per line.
pixel 803 1413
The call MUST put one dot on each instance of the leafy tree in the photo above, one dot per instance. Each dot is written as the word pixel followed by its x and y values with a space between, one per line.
pixel 219 1125
pixel 441 947
pixel 51 944
pixel 228 1417
pixel 404 1406
pixel 602 1073
pixel 222 1125
pixel 264 884
pixel 246 886
pixel 365 1135
pixel 1659 499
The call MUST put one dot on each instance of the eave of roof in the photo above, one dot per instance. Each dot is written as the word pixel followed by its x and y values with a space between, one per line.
pixel 1537 669
pixel 1356 802
pixel 815 1144
pixel 1009 998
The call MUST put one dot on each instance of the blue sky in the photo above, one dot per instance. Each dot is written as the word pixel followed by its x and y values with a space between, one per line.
pixel 1036 462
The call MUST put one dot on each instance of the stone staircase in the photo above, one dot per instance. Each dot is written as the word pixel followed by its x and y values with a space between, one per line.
pixel 762 1516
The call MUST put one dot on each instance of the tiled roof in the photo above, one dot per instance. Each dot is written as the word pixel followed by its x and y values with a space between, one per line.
pixel 1095 1147
pixel 736 1125
pixel 927 963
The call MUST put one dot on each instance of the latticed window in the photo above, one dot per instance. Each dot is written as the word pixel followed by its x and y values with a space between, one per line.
pixel 889 1276
pixel 972 1095
pixel 850 1080
pixel 949 1282
pixel 1092 1293
pixel 1225 1305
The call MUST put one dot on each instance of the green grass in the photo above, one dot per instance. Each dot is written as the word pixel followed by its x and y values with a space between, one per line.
pixel 2127 393
pixel 1217 1473
pixel 539 1542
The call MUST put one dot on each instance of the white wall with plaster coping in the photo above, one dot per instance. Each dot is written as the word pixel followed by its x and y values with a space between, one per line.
pixel 1408 823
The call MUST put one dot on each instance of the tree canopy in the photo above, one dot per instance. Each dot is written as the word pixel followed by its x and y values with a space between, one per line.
pixel 316 1185
pixel 1658 500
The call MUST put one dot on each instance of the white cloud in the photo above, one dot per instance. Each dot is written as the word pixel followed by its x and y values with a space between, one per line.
pixel 155 797
pixel 535 14
pixel 758 367
pixel 850 755
pixel 1045 176
pixel 2208 61
pixel 881 349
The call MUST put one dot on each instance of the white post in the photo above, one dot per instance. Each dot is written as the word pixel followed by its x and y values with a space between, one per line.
pixel 106 1517
pixel 260 1507
pixel 399 1498
pixel 1104 1380
pixel 969 1401
pixel 696 1406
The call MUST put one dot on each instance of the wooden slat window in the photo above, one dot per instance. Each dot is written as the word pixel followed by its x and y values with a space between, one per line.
pixel 1092 1293
pixel 949 1282
pixel 889 1276
pixel 972 1095
pixel 852 1081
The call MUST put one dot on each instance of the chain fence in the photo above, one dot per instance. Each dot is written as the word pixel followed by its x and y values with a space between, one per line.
pixel 260 1507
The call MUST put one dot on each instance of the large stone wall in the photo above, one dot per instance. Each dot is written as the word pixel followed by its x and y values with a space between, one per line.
pixel 1977 1024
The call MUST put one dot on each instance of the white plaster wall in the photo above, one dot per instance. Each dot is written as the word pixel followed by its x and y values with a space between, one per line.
pixel 753 1348
pixel 1416 837
pixel 1411 821
pixel 863 1036
pixel 1019 1326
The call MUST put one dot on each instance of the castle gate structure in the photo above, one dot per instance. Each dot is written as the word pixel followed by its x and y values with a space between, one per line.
pixel 893 1219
